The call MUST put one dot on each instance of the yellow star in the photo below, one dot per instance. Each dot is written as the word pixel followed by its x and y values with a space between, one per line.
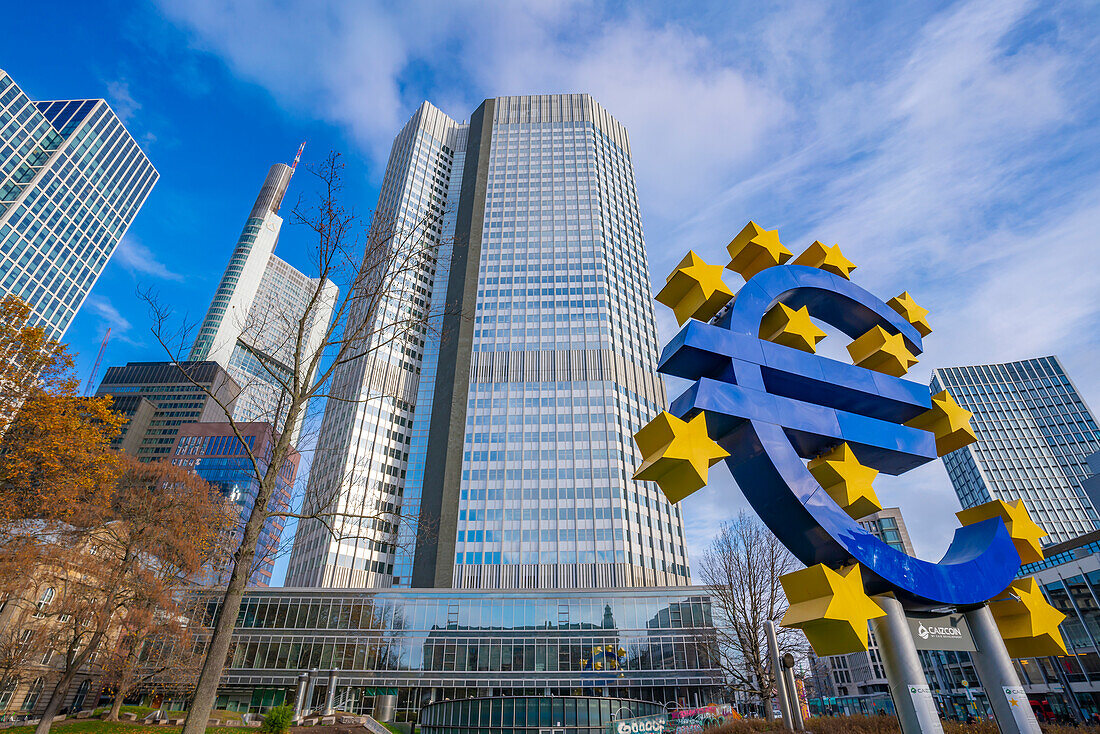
pixel 847 481
pixel 881 351
pixel 1024 531
pixel 791 328
pixel 1028 624
pixel 754 249
pixel 830 607
pixel 820 255
pixel 677 454
pixel 695 290
pixel 911 312
pixel 949 421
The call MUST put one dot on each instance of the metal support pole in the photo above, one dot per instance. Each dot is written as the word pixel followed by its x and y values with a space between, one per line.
pixel 792 693
pixel 994 668
pixel 300 700
pixel 777 673
pixel 310 690
pixel 908 686
pixel 331 697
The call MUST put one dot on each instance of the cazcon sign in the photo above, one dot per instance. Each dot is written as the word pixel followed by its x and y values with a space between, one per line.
pixel 948 632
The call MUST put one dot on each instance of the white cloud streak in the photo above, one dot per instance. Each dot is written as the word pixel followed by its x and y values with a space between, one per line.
pixel 948 153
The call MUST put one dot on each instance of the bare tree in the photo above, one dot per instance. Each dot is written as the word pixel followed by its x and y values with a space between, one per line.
pixel 742 568
pixel 382 316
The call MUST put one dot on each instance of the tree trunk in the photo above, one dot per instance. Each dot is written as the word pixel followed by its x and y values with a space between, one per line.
pixel 116 707
pixel 123 686
pixel 206 690
pixel 57 696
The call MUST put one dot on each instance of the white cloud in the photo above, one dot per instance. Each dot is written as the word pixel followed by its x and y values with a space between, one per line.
pixel 122 102
pixel 133 255
pixel 946 152
pixel 107 311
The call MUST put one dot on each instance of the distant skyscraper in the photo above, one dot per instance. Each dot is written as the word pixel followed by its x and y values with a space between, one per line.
pixel 157 398
pixel 213 451
pixel 1034 435
pixel 511 436
pixel 72 179
pixel 252 324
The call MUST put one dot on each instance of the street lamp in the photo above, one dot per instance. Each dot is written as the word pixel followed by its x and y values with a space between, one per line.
pixel 616 712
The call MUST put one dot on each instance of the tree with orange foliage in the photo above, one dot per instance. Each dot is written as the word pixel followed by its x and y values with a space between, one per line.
pixel 55 457
pixel 126 562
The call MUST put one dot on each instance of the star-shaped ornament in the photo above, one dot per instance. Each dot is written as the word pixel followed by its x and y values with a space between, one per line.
pixel 695 290
pixel 754 249
pixel 911 312
pixel 847 481
pixel 948 421
pixel 677 454
pixel 881 351
pixel 1027 623
pixel 1024 531
pixel 783 325
pixel 831 259
pixel 830 607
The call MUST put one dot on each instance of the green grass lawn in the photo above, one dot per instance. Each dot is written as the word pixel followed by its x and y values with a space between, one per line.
pixel 95 726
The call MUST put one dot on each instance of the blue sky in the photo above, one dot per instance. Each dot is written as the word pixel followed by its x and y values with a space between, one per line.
pixel 950 148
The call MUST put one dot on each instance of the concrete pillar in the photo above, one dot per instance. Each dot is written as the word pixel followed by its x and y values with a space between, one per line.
pixel 330 699
pixel 908 686
pixel 777 673
pixel 309 691
pixel 994 668
pixel 300 699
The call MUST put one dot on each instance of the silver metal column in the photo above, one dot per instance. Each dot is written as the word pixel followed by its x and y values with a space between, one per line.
pixel 300 701
pixel 994 667
pixel 908 686
pixel 777 673
pixel 331 697
pixel 310 690
pixel 792 693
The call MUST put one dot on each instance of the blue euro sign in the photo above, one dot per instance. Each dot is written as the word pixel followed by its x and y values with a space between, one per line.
pixel 771 406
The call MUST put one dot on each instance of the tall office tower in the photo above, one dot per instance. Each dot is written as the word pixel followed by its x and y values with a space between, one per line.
pixel 72 179
pixel 252 324
pixel 511 440
pixel 157 398
pixel 1034 435
pixel 215 453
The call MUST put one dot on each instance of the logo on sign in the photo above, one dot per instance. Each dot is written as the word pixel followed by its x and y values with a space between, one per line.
pixel 640 726
pixel 926 632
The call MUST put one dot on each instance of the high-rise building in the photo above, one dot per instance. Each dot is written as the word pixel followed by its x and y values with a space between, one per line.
pixel 159 397
pixel 251 327
pixel 72 179
pixel 856 682
pixel 507 432
pixel 1034 435
pixel 215 453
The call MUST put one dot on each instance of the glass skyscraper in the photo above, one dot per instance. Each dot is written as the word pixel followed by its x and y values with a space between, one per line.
pixel 509 439
pixel 1034 435
pixel 251 327
pixel 72 179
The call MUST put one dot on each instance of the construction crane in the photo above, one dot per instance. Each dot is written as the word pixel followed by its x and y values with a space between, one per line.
pixel 98 360
pixel 297 158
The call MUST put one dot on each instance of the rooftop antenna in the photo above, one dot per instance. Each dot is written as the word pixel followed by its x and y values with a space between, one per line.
pixel 98 360
pixel 297 157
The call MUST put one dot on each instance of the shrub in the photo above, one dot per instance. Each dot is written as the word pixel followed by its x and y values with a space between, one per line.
pixel 278 720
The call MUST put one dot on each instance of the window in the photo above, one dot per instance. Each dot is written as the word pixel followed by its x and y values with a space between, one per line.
pixel 33 693
pixel 44 601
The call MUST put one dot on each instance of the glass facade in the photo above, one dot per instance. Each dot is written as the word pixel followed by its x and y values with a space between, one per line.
pixel 561 363
pixel 215 453
pixel 518 715
pixel 72 179
pixel 373 437
pixel 1034 435
pixel 251 326
pixel 430 645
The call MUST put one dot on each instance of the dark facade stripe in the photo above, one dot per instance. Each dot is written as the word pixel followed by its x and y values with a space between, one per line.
pixel 433 563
